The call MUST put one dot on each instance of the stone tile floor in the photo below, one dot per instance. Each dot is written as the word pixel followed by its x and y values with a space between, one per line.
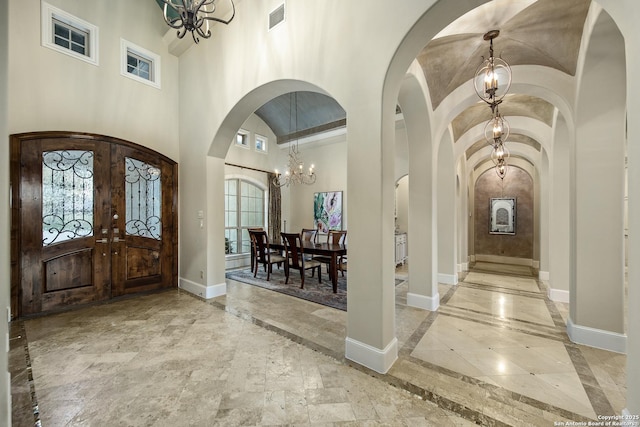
pixel 495 353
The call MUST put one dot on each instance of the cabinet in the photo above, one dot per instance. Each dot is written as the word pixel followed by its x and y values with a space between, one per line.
pixel 401 248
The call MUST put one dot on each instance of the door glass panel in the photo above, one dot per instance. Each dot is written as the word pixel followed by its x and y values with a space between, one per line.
pixel 143 199
pixel 67 195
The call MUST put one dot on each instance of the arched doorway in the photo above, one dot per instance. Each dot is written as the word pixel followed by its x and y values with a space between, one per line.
pixel 94 217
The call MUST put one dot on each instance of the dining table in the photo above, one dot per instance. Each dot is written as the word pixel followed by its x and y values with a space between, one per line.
pixel 330 250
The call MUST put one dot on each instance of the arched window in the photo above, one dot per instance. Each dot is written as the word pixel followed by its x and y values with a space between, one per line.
pixel 244 207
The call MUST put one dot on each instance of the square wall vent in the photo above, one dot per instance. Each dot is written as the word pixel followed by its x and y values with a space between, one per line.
pixel 277 16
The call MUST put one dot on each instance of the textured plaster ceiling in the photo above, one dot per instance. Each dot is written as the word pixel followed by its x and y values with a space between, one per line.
pixel 512 106
pixel 513 138
pixel 547 33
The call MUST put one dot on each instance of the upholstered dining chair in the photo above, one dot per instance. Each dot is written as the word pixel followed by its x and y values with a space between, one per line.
pixel 335 237
pixel 264 255
pixel 294 254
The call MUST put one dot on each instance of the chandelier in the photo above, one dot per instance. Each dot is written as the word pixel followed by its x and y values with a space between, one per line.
pixel 295 172
pixel 194 16
pixel 491 82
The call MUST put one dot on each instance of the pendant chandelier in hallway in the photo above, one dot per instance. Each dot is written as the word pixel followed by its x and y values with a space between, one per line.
pixel 491 82
pixel 295 172
pixel 193 16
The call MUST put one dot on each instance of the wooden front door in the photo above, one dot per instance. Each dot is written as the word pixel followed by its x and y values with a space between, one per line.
pixel 93 218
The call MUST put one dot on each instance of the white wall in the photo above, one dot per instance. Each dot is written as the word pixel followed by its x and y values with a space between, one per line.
pixel 53 91
pixel 330 160
pixel 251 158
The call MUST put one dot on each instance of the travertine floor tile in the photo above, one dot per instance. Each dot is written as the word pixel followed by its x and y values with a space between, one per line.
pixel 492 354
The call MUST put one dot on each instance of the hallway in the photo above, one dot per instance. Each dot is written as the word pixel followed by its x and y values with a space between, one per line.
pixel 496 353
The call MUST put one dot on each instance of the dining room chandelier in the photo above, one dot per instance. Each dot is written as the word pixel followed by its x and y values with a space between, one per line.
pixel 193 16
pixel 295 172
pixel 491 82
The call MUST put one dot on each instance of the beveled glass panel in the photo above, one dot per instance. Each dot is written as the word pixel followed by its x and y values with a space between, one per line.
pixel 67 195
pixel 143 193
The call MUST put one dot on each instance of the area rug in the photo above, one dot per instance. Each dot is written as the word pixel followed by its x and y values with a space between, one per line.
pixel 321 293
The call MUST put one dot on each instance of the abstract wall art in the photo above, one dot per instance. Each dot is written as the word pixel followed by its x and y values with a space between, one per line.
pixel 327 211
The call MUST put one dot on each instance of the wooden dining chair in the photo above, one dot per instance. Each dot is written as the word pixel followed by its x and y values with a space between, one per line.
pixel 335 237
pixel 252 241
pixel 309 235
pixel 294 254
pixel 264 255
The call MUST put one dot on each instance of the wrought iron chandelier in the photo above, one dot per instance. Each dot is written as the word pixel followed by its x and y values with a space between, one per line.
pixel 193 16
pixel 295 172
pixel 491 82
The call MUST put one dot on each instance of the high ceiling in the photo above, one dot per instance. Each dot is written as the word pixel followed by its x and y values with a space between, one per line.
pixel 544 33
pixel 294 115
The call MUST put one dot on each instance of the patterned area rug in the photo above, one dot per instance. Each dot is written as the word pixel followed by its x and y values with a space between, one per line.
pixel 321 293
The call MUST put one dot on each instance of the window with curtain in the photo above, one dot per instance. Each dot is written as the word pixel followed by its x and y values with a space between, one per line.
pixel 244 207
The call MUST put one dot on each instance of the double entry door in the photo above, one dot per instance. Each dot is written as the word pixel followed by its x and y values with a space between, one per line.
pixel 93 218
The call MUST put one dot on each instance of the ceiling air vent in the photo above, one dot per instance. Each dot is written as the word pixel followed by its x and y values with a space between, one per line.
pixel 277 16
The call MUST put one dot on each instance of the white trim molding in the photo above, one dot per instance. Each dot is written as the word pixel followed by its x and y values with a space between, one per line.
pixel 597 338
pixel 424 302
pixel 371 357
pixel 448 279
pixel 50 13
pixel 543 275
pixel 558 295
pixel 126 48
pixel 198 289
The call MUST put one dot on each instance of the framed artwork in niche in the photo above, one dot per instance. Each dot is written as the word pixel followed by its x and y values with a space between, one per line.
pixel 327 211
pixel 502 215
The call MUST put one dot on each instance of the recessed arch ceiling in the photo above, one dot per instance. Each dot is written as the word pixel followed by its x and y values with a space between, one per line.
pixel 297 114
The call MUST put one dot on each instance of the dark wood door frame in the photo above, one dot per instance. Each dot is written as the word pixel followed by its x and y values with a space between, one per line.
pixel 19 148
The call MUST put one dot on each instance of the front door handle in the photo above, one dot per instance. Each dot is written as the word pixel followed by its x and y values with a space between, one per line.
pixel 103 240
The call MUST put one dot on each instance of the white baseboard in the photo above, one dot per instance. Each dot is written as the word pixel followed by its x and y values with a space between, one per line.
pixel 597 338
pixel 448 279
pixel 543 275
pixel 424 302
pixel 206 292
pixel 371 357
pixel 463 266
pixel 558 295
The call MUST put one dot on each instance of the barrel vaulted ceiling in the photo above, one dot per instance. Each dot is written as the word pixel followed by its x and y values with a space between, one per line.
pixel 543 33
